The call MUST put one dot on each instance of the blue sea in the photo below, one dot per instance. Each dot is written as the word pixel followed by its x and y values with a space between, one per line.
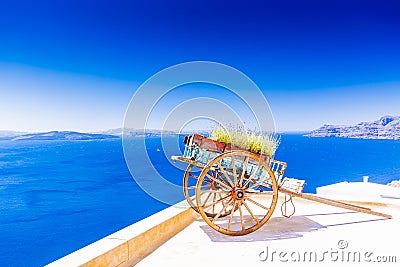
pixel 58 196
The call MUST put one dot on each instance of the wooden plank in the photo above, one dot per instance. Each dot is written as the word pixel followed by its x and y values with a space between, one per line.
pixel 187 160
pixel 212 145
pixel 336 203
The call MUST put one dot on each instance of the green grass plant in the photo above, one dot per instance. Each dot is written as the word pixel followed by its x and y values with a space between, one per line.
pixel 260 143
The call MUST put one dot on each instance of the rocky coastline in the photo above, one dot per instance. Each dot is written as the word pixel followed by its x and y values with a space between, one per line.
pixel 387 127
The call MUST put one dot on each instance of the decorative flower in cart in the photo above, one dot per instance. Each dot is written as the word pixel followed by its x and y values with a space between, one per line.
pixel 253 141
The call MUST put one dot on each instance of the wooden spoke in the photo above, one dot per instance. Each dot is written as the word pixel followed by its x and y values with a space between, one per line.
pixel 208 196
pixel 215 191
pixel 256 184
pixel 251 213
pixel 219 182
pixel 234 169
pixel 194 176
pixel 202 193
pixel 207 180
pixel 256 203
pixel 258 193
pixel 223 203
pixel 229 180
pixel 265 184
pixel 195 186
pixel 213 206
pixel 225 174
pixel 230 217
pixel 222 210
pixel 259 168
pixel 261 183
pixel 246 161
pixel 241 218
pixel 219 175
pixel 215 203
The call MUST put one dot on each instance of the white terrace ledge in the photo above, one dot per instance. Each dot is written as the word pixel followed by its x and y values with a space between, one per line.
pixel 133 243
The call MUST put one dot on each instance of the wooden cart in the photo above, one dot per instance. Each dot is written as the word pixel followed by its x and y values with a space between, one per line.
pixel 236 191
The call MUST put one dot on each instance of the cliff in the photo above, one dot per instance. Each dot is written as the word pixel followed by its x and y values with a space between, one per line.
pixel 387 127
pixel 59 135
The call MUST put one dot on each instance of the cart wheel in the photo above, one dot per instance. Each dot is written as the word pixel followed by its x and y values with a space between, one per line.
pixel 247 190
pixel 189 188
pixel 189 184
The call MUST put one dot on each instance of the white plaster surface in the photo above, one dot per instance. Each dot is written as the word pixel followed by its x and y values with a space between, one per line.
pixel 361 191
pixel 314 228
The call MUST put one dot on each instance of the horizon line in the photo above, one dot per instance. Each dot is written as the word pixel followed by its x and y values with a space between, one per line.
pixel 151 129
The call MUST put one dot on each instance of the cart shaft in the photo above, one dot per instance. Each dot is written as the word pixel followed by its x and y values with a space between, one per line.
pixel 336 203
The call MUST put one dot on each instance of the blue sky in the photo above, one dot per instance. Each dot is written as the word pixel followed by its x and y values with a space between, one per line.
pixel 74 65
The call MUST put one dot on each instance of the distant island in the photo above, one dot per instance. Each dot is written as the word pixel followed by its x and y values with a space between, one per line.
pixel 128 132
pixel 55 135
pixel 387 127
pixel 71 135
